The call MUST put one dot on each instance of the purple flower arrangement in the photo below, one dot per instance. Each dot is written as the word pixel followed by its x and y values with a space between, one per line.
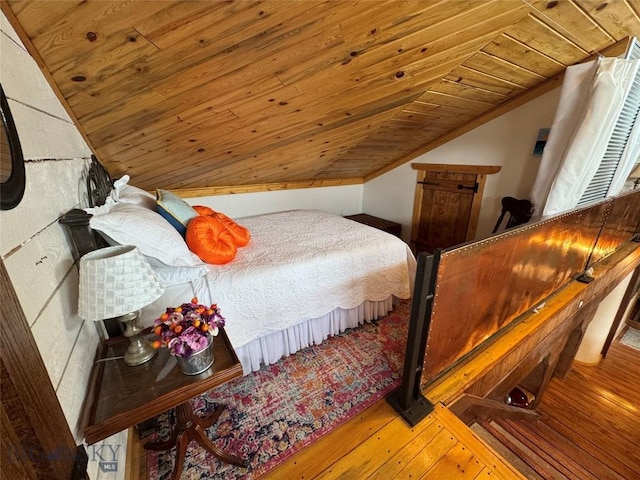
pixel 185 330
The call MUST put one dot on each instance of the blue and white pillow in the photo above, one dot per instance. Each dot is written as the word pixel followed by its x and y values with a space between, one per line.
pixel 175 210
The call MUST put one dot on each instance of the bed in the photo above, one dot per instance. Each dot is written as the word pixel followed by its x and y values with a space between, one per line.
pixel 304 276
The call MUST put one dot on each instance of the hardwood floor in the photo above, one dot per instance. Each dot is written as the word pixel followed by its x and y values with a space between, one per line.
pixel 590 423
pixel 379 444
pixel 589 428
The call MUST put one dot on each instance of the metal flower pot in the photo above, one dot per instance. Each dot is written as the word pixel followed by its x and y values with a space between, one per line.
pixel 198 362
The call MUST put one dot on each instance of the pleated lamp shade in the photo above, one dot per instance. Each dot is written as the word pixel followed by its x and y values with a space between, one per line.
pixel 115 281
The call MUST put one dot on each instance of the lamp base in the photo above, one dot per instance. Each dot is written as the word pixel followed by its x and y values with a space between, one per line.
pixel 140 350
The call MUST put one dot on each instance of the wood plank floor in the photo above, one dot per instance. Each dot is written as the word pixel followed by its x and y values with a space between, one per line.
pixel 590 423
pixel 378 444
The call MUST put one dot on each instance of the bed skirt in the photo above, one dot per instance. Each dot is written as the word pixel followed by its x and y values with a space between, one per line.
pixel 270 348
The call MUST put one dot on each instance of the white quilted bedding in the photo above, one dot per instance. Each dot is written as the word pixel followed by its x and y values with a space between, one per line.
pixel 302 264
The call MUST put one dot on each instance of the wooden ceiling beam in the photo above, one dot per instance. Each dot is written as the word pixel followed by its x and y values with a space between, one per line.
pixel 264 187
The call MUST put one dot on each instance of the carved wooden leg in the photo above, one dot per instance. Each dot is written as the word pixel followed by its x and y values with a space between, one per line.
pixel 166 445
pixel 181 453
pixel 179 437
pixel 208 420
pixel 190 427
pixel 203 440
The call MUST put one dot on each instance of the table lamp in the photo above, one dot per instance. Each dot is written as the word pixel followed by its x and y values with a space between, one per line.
pixel 117 282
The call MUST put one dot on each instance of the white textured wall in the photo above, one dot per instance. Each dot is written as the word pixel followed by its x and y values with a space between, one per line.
pixel 507 141
pixel 33 245
pixel 345 200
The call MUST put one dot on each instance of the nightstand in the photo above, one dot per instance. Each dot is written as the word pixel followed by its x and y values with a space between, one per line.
pixel 121 396
pixel 386 225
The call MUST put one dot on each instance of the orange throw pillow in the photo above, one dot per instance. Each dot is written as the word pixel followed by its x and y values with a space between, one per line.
pixel 210 239
pixel 202 210
pixel 240 234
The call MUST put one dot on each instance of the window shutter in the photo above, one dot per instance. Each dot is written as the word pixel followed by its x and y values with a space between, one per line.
pixel 633 51
pixel 599 184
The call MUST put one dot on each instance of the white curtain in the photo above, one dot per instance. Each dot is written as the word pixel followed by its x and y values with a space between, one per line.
pixel 591 99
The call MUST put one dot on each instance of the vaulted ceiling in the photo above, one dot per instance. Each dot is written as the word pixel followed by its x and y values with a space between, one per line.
pixel 189 95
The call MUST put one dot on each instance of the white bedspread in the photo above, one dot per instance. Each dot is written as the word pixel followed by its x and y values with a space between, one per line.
pixel 302 264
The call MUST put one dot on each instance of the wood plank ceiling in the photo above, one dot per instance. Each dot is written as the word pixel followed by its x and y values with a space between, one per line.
pixel 188 95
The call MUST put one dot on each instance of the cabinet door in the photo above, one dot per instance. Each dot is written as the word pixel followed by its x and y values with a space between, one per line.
pixel 445 209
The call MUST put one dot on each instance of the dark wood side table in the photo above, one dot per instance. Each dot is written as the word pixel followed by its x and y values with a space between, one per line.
pixel 379 223
pixel 121 396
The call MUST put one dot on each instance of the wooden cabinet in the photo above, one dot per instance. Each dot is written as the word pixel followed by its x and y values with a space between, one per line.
pixel 447 204
pixel 380 223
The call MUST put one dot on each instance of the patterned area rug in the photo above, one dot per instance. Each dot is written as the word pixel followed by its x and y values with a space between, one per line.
pixel 273 413
pixel 631 338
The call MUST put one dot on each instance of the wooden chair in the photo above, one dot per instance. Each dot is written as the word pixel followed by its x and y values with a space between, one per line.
pixel 520 211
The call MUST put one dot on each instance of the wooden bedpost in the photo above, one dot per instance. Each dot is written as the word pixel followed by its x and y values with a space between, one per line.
pixel 82 239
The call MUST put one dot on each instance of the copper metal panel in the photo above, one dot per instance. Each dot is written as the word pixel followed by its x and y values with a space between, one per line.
pixel 483 286
pixel 621 224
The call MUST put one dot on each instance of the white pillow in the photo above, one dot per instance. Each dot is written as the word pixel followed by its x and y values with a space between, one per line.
pixel 123 192
pixel 130 224
pixel 137 196
pixel 170 276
